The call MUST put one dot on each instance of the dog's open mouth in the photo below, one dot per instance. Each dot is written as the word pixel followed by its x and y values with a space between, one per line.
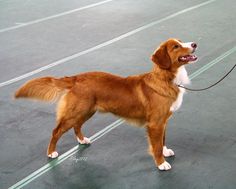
pixel 188 58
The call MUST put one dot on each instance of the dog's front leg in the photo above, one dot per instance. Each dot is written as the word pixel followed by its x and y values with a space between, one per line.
pixel 155 135
pixel 166 151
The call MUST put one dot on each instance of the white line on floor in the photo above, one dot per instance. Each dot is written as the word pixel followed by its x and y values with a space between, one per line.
pixel 53 16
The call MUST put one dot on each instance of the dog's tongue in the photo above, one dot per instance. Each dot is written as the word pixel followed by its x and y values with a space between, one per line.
pixel 188 58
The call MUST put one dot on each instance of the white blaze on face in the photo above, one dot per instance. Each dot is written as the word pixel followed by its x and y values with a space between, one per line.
pixel 186 45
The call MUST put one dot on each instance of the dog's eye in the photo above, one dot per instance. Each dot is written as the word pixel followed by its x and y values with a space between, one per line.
pixel 176 46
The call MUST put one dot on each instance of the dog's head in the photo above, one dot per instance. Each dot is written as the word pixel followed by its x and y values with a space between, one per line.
pixel 173 53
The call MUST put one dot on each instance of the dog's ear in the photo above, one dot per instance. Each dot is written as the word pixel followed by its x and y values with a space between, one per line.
pixel 161 57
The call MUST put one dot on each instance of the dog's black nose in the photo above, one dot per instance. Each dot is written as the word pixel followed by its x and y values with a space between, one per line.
pixel 194 45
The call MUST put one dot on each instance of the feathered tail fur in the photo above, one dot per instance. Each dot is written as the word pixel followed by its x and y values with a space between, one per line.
pixel 46 88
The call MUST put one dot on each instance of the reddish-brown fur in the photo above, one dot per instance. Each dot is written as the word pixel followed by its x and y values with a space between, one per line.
pixel 144 99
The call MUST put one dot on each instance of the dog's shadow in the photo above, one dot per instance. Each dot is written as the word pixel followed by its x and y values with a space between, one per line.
pixel 77 171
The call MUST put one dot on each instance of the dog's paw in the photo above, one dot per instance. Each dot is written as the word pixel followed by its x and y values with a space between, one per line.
pixel 84 141
pixel 53 155
pixel 164 166
pixel 167 152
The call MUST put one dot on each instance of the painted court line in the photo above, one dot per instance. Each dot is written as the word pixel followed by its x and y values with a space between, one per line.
pixel 104 131
pixel 61 61
pixel 21 25
pixel 212 63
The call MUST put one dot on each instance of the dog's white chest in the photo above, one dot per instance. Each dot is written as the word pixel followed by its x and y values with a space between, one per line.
pixel 176 104
pixel 181 78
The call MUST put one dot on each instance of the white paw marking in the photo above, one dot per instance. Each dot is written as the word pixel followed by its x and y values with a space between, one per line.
pixel 164 166
pixel 84 141
pixel 167 152
pixel 53 155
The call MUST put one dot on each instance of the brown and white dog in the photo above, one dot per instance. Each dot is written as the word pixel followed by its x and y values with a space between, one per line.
pixel 148 99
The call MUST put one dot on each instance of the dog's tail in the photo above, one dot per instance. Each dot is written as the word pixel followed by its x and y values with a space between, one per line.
pixel 46 88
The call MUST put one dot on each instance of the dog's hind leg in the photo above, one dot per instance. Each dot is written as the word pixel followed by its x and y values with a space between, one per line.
pixel 71 112
pixel 77 128
pixel 61 128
